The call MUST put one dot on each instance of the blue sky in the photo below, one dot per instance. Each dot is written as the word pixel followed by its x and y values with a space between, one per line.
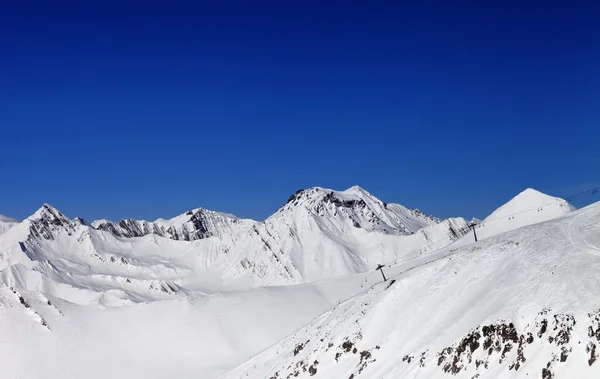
pixel 147 110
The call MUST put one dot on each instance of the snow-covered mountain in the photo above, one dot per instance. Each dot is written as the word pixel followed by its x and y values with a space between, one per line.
pixel 318 234
pixel 178 297
pixel 521 304
pixel 527 208
pixel 197 336
pixel 359 207
pixel 192 225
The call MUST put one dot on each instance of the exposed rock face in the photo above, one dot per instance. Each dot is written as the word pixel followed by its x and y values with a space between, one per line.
pixel 494 344
pixel 193 225
pixel 48 219
pixel 360 209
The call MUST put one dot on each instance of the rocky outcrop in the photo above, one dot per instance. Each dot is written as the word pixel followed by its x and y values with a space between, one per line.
pixel 191 226
pixel 47 220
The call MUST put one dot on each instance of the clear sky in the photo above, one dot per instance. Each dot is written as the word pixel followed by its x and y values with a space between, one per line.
pixel 146 110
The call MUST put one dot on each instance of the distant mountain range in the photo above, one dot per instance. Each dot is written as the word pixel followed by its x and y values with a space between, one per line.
pixel 324 246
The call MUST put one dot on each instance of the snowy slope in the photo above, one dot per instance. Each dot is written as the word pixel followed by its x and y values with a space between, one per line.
pixel 321 233
pixel 156 306
pixel 527 208
pixel 521 304
pixel 312 238
pixel 6 223
pixel 198 336
pixel 77 333
pixel 96 304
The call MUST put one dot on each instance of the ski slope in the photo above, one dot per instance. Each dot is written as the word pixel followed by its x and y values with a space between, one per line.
pixel 520 304
pixel 144 299
pixel 527 208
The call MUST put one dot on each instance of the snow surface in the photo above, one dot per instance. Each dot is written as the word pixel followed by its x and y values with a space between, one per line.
pixel 528 207
pixel 328 234
pixel 521 304
pixel 185 297
pixel 6 223
pixel 198 336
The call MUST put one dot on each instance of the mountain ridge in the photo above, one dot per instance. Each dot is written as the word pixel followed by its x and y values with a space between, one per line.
pixel 57 272
pixel 330 233
pixel 493 309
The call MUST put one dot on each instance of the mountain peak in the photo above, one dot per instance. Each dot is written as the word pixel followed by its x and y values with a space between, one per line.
pixel 355 189
pixel 529 200
pixel 355 208
pixel 532 192
pixel 47 211
pixel 48 219
pixel 528 207
pixel 79 221
pixel 194 224
pixel 316 195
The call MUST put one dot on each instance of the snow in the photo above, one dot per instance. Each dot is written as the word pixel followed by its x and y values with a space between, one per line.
pixel 6 223
pixel 201 293
pixel 541 274
pixel 528 207
pixel 325 237
pixel 8 219
pixel 183 218
pixel 193 225
pixel 194 337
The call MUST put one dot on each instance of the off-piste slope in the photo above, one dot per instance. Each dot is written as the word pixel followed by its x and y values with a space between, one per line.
pixel 522 304
pixel 198 336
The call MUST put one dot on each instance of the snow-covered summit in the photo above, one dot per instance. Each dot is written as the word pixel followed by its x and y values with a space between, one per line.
pixel 48 219
pixel 527 208
pixel 332 233
pixel 531 200
pixel 359 208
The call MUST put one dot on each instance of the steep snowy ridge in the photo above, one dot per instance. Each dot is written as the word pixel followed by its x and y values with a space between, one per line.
pixel 522 304
pixel 193 225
